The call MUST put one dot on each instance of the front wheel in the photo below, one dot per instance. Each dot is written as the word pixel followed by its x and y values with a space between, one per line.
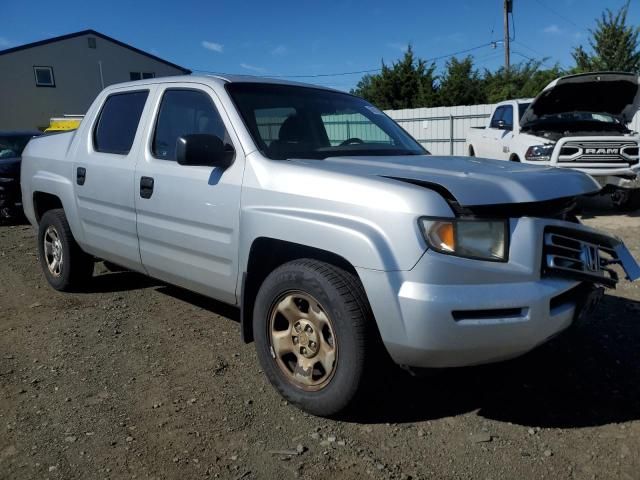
pixel 66 267
pixel 313 329
pixel 626 199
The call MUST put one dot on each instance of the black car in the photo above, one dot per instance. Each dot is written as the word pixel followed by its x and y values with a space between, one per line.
pixel 11 146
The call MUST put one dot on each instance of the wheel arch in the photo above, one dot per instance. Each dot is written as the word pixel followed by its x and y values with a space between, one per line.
pixel 43 202
pixel 265 255
pixel 47 191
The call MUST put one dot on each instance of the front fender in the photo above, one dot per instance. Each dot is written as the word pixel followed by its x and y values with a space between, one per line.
pixel 360 242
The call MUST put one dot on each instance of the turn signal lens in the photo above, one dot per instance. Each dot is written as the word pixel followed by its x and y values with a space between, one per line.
pixel 441 235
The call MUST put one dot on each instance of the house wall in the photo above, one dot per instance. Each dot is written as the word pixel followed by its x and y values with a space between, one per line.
pixel 23 105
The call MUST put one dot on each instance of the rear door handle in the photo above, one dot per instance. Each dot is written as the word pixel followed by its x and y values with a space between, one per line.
pixel 146 187
pixel 81 175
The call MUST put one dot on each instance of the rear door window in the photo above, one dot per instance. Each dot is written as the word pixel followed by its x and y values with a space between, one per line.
pixel 118 122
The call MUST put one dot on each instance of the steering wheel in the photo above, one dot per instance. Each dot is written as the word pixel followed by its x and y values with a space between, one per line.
pixel 352 141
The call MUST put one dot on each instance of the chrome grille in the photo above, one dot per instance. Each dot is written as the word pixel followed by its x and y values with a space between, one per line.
pixel 625 152
pixel 579 255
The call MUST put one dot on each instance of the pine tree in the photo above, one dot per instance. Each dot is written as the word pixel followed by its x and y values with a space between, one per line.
pixel 521 81
pixel 408 83
pixel 614 45
pixel 461 84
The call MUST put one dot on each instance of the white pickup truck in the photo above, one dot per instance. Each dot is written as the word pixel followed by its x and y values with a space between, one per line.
pixel 579 122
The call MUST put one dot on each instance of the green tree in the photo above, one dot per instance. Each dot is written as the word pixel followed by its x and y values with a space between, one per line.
pixel 461 84
pixel 522 80
pixel 614 45
pixel 407 83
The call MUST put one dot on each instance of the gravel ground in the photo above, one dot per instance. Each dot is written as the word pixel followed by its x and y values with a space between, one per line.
pixel 136 379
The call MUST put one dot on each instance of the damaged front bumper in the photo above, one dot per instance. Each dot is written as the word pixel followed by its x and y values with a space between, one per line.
pixel 586 255
pixel 451 312
pixel 629 180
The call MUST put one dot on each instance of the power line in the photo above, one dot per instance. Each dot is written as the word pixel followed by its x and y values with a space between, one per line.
pixel 528 48
pixel 531 59
pixel 359 72
pixel 558 14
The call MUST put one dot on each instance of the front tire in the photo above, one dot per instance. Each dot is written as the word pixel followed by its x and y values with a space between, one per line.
pixel 66 267
pixel 313 330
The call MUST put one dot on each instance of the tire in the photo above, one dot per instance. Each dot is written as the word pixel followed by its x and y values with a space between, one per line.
pixel 472 152
pixel 74 267
pixel 349 329
pixel 626 200
pixel 514 158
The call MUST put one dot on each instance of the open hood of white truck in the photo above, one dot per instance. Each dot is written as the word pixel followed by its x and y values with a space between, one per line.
pixel 616 94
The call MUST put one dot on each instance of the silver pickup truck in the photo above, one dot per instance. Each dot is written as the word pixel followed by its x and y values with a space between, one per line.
pixel 341 240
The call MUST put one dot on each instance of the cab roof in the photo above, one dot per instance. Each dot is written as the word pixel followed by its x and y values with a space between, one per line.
pixel 218 79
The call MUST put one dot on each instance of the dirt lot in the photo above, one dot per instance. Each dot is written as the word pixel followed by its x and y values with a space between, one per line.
pixel 135 379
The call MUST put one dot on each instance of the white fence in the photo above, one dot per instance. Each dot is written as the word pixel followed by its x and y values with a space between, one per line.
pixel 442 130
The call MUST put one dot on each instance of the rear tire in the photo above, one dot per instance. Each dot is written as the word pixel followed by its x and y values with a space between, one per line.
pixel 66 267
pixel 314 335
pixel 626 200
pixel 472 152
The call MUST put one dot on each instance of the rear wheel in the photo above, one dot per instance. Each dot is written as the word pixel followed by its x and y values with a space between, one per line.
pixel 314 335
pixel 66 267
pixel 626 199
pixel 472 152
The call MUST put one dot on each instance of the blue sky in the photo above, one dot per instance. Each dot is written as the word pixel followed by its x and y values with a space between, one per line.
pixel 313 37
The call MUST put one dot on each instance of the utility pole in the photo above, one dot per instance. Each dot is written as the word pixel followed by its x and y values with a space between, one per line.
pixel 508 8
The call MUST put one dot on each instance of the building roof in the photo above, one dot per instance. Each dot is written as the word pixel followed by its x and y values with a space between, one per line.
pixel 96 34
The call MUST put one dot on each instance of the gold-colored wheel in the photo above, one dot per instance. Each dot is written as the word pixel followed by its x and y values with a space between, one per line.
pixel 303 342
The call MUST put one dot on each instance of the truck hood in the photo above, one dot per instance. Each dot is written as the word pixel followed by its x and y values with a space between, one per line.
pixel 471 181
pixel 617 94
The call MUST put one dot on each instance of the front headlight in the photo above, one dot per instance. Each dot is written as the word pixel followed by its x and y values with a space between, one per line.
pixel 539 153
pixel 479 239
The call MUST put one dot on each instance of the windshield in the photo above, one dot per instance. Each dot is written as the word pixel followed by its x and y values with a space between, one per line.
pixel 13 145
pixel 303 122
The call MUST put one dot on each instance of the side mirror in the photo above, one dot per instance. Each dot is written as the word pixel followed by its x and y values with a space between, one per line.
pixel 504 126
pixel 201 149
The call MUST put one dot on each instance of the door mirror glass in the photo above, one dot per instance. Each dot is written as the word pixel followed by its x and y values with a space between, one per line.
pixel 504 126
pixel 202 149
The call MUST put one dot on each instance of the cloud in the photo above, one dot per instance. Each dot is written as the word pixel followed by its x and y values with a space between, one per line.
pixel 280 50
pixel 552 29
pixel 403 47
pixel 253 68
pixel 4 42
pixel 213 46
pixel 457 37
